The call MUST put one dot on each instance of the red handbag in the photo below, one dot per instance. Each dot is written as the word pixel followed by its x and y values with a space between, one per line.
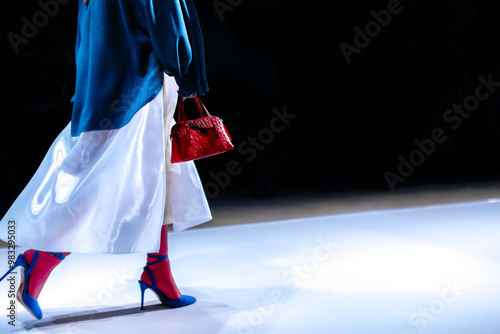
pixel 198 138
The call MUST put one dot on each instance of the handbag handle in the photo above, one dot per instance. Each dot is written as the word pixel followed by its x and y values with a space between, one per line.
pixel 181 111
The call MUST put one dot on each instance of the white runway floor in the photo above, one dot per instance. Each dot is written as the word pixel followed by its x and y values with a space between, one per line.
pixel 433 270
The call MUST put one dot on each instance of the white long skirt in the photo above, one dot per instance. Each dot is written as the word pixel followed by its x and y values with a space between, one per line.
pixel 110 191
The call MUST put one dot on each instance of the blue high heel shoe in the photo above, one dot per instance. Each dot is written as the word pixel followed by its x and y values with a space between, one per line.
pixel 30 303
pixel 184 300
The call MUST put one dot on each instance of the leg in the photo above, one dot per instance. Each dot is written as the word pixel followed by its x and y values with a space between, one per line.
pixel 42 268
pixel 37 266
pixel 158 277
pixel 161 269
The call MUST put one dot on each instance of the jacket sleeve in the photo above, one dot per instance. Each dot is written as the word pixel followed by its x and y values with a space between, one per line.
pixel 177 41
pixel 77 42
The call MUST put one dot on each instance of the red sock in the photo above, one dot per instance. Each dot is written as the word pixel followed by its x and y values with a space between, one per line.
pixel 40 273
pixel 161 270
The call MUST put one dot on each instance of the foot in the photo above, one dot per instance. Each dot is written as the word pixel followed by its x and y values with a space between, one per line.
pixel 163 276
pixel 39 274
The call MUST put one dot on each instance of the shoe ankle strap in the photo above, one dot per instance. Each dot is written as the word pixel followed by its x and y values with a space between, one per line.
pixel 149 272
pixel 60 256
pixel 159 257
pixel 32 264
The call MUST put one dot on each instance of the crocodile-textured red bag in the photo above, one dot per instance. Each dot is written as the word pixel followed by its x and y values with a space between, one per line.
pixel 198 138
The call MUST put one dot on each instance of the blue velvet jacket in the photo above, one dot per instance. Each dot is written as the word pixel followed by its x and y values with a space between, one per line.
pixel 122 49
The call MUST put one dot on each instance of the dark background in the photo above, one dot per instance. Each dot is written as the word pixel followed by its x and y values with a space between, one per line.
pixel 353 120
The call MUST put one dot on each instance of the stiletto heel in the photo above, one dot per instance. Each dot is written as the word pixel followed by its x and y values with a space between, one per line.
pixel 30 303
pixel 20 261
pixel 143 289
pixel 184 300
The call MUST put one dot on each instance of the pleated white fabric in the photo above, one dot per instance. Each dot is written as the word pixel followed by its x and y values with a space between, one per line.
pixel 110 191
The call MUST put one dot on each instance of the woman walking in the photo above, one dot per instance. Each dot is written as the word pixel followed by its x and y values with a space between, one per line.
pixel 106 184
